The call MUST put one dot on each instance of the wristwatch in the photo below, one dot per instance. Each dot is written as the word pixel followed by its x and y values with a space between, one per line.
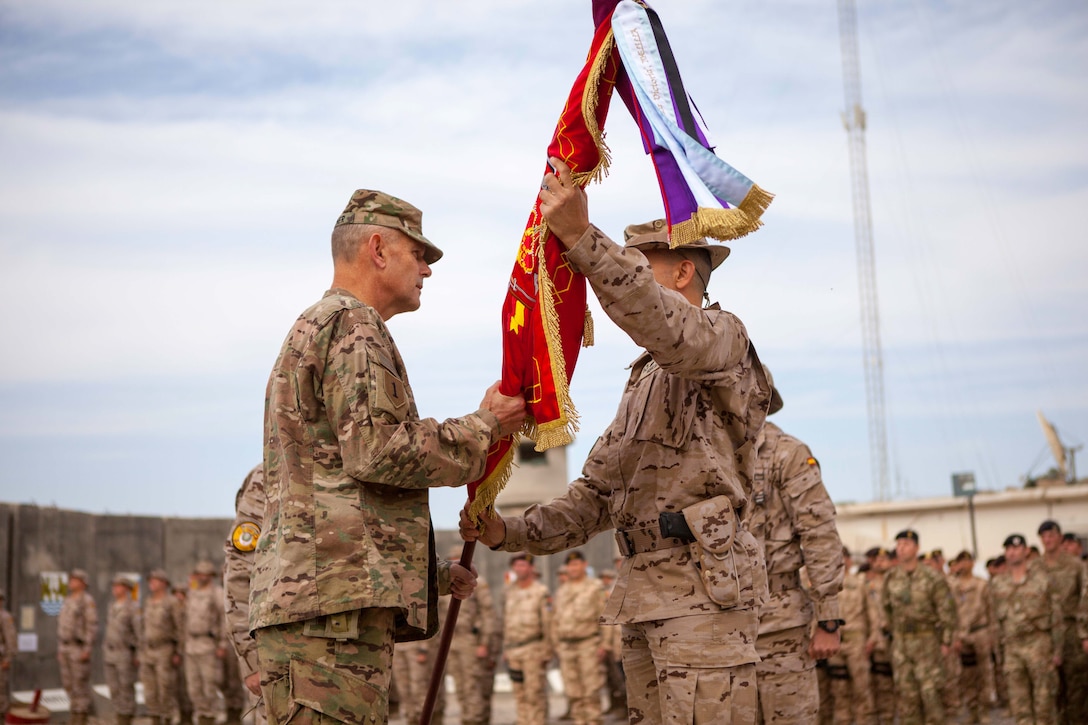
pixel 829 625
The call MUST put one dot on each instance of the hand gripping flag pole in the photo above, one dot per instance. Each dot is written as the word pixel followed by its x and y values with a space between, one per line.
pixel 545 318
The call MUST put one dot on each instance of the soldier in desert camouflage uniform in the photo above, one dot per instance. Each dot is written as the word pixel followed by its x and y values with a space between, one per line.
pixel 1067 573
pixel 8 648
pixel 77 626
pixel 921 615
pixel 794 519
pixel 577 639
pixel 237 570
pixel 851 690
pixel 669 473
pixel 975 681
pixel 1027 608
pixel 161 642
pixel 527 649
pixel 345 563
pixel 121 646
pixel 206 643
pixel 184 704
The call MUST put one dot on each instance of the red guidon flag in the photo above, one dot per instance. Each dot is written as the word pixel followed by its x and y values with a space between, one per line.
pixel 545 318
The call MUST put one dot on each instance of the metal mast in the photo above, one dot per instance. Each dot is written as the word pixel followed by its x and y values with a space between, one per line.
pixel 853 119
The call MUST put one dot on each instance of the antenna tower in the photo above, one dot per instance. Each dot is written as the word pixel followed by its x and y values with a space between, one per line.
pixel 853 119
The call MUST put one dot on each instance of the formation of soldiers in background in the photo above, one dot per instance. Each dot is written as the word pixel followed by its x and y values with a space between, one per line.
pixel 935 642
pixel 919 636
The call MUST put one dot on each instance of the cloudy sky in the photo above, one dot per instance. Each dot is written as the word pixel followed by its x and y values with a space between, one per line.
pixel 170 172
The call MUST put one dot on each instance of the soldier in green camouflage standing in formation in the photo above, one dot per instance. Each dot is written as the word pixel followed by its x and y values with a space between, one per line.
pixel 1028 612
pixel 921 615
pixel 345 564
pixel 122 646
pixel 1067 575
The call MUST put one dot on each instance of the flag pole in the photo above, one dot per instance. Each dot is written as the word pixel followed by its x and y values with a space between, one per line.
pixel 438 673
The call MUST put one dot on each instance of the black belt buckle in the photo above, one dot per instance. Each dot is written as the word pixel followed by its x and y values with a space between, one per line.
pixel 673 525
pixel 626 546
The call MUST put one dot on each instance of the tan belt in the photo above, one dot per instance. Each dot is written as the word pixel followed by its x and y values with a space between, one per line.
pixel 639 541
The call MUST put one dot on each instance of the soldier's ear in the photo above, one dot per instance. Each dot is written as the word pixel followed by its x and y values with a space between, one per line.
pixel 683 274
pixel 376 248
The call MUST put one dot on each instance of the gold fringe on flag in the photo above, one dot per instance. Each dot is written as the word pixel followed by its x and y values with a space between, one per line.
pixel 724 224
pixel 587 329
pixel 561 431
pixel 590 102
pixel 489 488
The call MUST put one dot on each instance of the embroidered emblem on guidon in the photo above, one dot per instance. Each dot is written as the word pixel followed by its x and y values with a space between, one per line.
pixel 245 535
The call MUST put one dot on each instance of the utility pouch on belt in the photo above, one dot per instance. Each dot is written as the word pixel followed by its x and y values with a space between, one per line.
pixel 674 526
pixel 344 625
pixel 517 675
pixel 711 526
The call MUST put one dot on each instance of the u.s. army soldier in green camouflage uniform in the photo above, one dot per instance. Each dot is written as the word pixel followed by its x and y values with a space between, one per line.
pixel 1068 575
pixel 1027 609
pixel 794 519
pixel 345 562
pixel 921 615
pixel 680 452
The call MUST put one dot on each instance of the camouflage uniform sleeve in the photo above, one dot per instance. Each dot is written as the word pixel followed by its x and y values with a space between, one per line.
pixel 946 610
pixel 567 521
pixel 682 338
pixel 238 568
pixel 380 441
pixel 90 624
pixel 813 517
pixel 442 570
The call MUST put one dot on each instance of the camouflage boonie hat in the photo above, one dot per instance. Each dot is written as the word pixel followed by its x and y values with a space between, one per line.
pixel 79 574
pixel 124 580
pixel 381 209
pixel 159 574
pixel 776 397
pixel 655 235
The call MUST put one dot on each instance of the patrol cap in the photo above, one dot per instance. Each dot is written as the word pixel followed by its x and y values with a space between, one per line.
pixel 1049 525
pixel 520 556
pixel 376 207
pixel 1015 540
pixel 205 567
pixel 907 534
pixel 159 574
pixel 655 235
pixel 79 574
pixel 122 579
pixel 776 397
pixel 574 555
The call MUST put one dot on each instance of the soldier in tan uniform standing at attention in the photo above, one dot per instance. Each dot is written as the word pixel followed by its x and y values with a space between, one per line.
pixel 8 648
pixel 122 646
pixel 161 642
pixel 921 615
pixel 670 473
pixel 527 649
pixel 346 565
pixel 578 641
pixel 77 625
pixel 1070 579
pixel 849 670
pixel 975 683
pixel 237 571
pixel 1027 607
pixel 794 519
pixel 206 643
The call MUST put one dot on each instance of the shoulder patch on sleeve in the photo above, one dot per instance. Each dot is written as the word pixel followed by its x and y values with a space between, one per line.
pixel 244 536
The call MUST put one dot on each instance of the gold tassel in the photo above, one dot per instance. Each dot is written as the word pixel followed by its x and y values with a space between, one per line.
pixel 568 416
pixel 724 224
pixel 587 329
pixel 490 487
pixel 590 100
